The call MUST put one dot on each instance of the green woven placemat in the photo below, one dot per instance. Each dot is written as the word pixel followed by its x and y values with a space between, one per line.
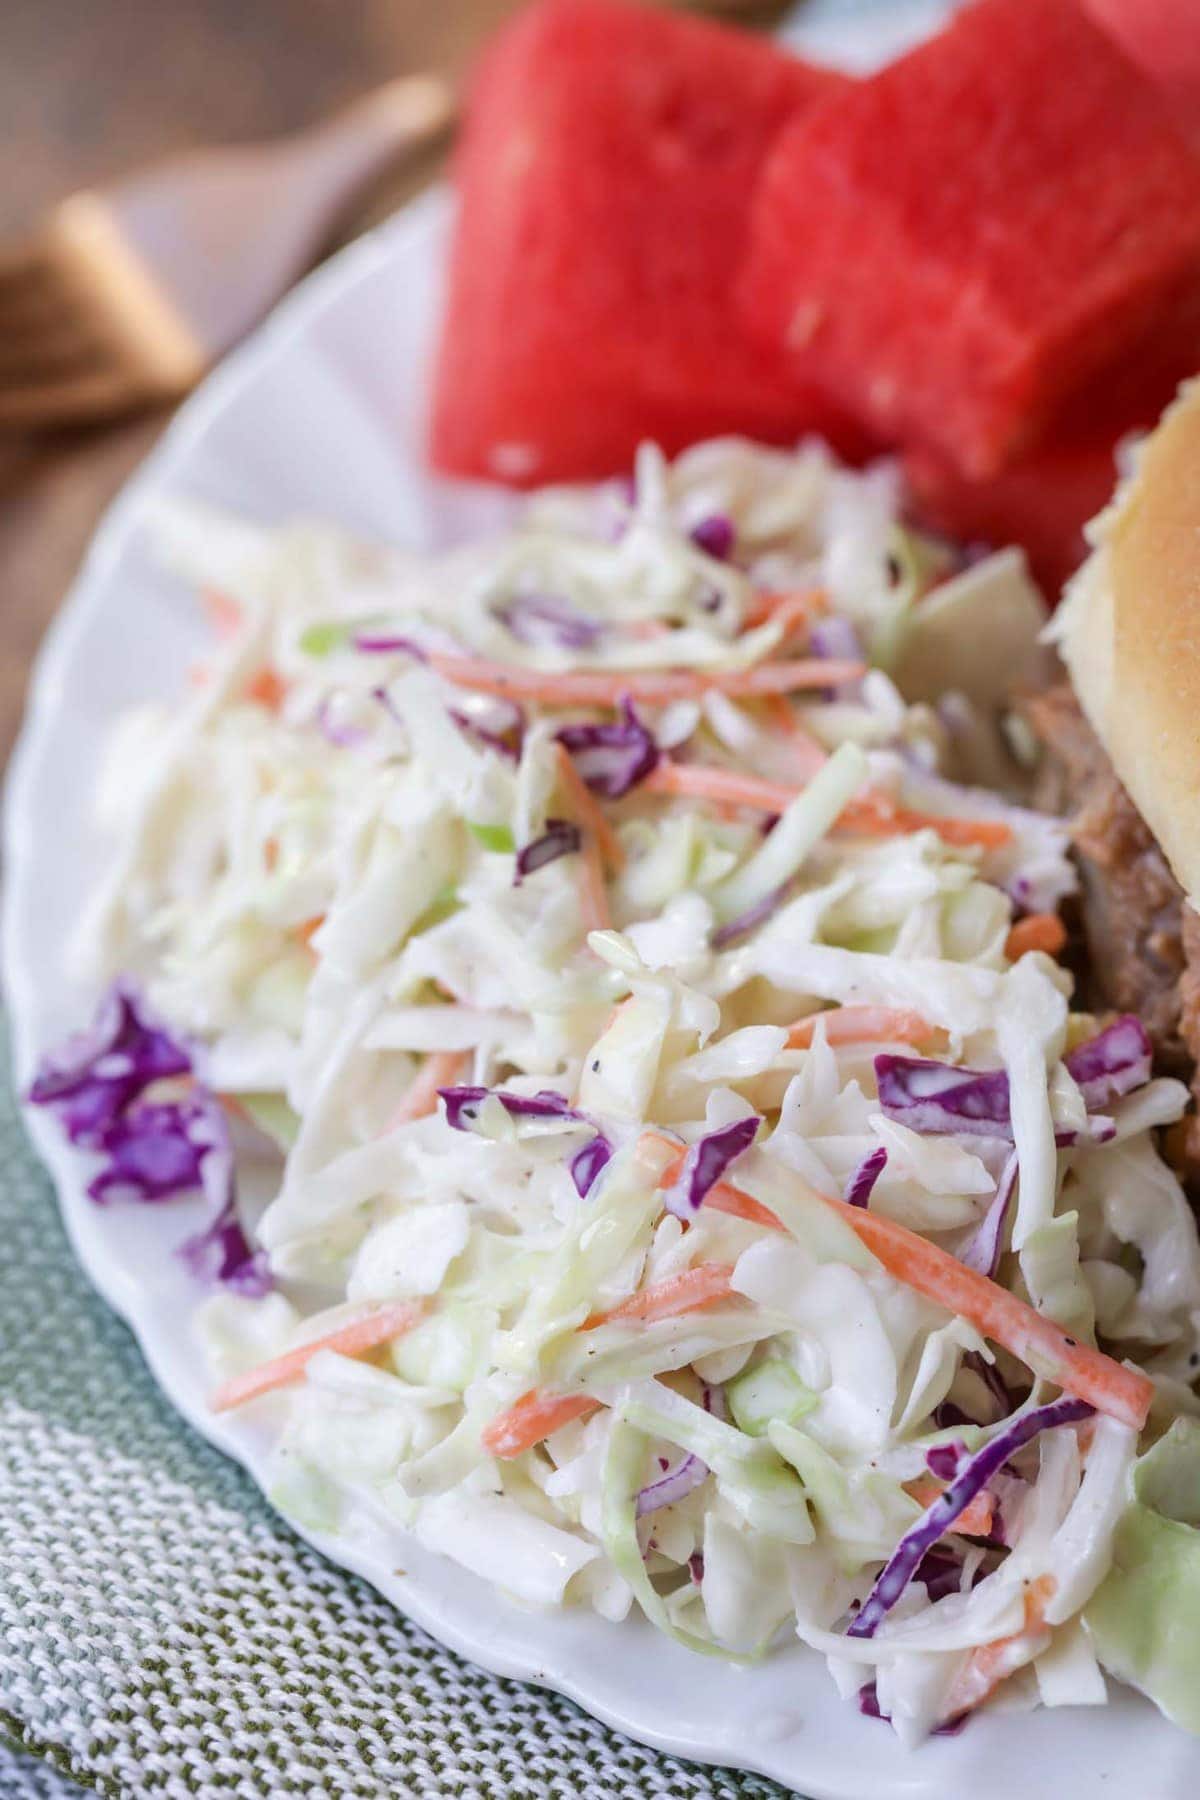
pixel 162 1633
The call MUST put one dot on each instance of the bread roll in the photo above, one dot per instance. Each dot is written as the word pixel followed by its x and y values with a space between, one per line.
pixel 1129 632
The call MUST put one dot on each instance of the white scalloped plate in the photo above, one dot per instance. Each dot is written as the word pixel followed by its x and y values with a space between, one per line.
pixel 321 414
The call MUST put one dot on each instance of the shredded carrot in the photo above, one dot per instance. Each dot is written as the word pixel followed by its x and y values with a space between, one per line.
pixel 308 931
pixel 976 1518
pixel 1040 931
pixel 705 1285
pixel 990 1664
pixel 440 1069
pixel 587 811
pixel 374 1329
pixel 739 1205
pixel 866 1025
pixel 267 688
pixel 700 781
pixel 607 687
pixel 1123 1393
pixel 224 614
pixel 726 1199
pixel 869 815
pixel 593 895
pixel 874 815
pixel 804 603
pixel 806 752
pixel 534 1416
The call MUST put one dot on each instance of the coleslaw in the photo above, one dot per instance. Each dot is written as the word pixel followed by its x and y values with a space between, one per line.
pixel 693 1190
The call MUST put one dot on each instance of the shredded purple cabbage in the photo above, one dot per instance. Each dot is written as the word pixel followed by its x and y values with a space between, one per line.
pixel 991 1378
pixel 935 1097
pixel 939 1518
pixel 1113 1063
pixel 983 1251
pixel 940 1572
pixel 944 1460
pixel 677 1483
pixel 750 920
pixel 462 1114
pixel 378 643
pixel 868 1705
pixel 862 1181
pixel 99 1072
pixel 715 535
pixel 463 1104
pixel 152 1150
pixel 541 620
pixel 586 1164
pixel 614 757
pixel 560 838
pixel 932 1096
pixel 221 1253
pixel 506 740
pixel 672 1487
pixel 705 1164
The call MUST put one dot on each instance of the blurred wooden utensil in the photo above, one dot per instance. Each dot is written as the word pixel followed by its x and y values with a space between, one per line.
pixel 127 296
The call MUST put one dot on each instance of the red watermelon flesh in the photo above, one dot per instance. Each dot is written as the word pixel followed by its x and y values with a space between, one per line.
pixel 958 245
pixel 1043 499
pixel 603 181
pixel 1163 38
pixel 1041 502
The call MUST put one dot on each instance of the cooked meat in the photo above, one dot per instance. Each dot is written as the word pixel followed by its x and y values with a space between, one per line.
pixel 1143 942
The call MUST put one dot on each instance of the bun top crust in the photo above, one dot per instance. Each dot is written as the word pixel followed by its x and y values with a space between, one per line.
pixel 1129 632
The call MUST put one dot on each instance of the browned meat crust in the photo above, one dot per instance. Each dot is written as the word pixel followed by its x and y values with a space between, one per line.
pixel 1143 942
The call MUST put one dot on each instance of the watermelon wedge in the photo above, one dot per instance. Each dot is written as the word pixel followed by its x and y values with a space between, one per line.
pixel 960 244
pixel 1163 38
pixel 603 182
pixel 1043 499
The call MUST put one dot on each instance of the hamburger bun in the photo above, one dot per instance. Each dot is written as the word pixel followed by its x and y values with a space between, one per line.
pixel 1129 632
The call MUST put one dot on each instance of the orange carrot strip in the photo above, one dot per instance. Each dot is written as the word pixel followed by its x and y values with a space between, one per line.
pixel 975 1519
pixel 267 688
pixel 440 1069
pixel 807 603
pixel 1040 931
pixel 809 755
pixel 725 1198
pixel 868 815
pixel 874 815
pixel 376 1328
pixel 705 1285
pixel 739 1205
pixel 606 687
pixel 1124 1394
pixel 534 1416
pixel 308 931
pixel 593 895
pixel 990 1664
pixel 866 1025
pixel 586 809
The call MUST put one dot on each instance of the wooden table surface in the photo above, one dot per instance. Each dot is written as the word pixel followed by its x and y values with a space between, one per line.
pixel 90 90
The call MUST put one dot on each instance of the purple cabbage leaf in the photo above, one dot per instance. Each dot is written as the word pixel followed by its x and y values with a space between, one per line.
pixel 611 758
pixel 705 1164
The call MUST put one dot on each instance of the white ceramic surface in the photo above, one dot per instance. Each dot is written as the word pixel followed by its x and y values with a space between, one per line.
pixel 321 414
